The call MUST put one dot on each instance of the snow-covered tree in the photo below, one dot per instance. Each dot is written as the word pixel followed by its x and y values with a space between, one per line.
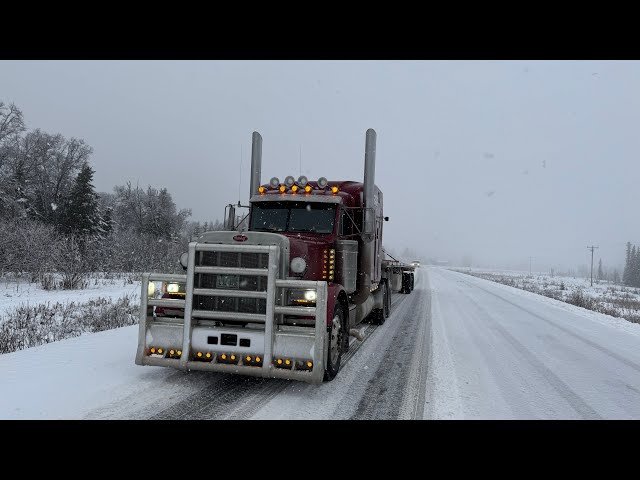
pixel 81 213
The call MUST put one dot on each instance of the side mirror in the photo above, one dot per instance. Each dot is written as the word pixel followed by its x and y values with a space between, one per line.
pixel 386 219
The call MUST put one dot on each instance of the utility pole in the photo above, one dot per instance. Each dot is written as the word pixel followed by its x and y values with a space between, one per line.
pixel 592 248
pixel 530 258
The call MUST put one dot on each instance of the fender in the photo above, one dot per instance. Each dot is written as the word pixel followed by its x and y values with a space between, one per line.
pixel 336 293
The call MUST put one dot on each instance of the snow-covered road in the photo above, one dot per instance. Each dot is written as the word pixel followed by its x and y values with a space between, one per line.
pixel 457 347
pixel 500 352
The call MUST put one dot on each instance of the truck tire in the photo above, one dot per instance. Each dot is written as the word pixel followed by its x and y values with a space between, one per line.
pixel 378 315
pixel 335 344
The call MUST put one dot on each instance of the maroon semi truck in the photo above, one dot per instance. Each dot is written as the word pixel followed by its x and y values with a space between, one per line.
pixel 281 297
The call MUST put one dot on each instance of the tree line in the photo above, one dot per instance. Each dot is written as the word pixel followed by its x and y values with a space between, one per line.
pixel 56 228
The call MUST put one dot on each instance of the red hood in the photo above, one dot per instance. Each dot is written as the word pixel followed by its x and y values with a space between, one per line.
pixel 311 248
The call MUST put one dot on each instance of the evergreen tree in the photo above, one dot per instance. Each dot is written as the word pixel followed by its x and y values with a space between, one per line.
pixel 81 214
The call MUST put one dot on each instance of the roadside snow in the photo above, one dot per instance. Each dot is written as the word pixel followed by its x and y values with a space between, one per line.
pixel 14 294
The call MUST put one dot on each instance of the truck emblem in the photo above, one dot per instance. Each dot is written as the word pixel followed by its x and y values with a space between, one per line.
pixel 240 238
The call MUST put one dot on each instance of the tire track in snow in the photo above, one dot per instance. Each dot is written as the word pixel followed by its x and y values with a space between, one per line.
pixel 237 396
pixel 572 333
pixel 399 392
pixel 565 391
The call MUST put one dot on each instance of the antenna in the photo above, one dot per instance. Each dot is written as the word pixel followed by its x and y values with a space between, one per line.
pixel 300 159
pixel 240 177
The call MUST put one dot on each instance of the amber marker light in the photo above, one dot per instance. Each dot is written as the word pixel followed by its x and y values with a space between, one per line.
pixel 279 361
pixel 199 354
pixel 172 352
pixel 223 356
pixel 208 355
pixel 159 350
pixel 258 359
pixel 282 188
pixel 309 364
pixel 294 189
pixel 233 357
pixel 261 190
pixel 248 359
pixel 153 350
pixel 307 189
pixel 288 362
pixel 179 352
pixel 334 189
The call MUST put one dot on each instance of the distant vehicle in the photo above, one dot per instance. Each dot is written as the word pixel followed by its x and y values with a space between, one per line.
pixel 415 263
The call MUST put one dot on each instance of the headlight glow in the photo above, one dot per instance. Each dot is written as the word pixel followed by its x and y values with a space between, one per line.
pixel 173 288
pixel 310 295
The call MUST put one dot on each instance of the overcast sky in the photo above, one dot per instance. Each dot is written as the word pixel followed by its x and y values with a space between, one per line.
pixel 497 160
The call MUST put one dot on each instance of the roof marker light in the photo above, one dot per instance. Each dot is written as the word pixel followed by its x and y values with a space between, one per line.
pixel 282 189
pixel 307 189
pixel 261 190
pixel 294 189
pixel 334 189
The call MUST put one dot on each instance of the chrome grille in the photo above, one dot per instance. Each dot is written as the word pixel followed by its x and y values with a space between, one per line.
pixel 249 283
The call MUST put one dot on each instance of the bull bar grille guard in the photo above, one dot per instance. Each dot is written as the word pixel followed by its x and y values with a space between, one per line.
pixel 311 341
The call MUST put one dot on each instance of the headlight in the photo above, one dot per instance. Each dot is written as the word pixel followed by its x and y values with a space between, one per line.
pixel 151 290
pixel 298 265
pixel 173 288
pixel 302 297
pixel 184 258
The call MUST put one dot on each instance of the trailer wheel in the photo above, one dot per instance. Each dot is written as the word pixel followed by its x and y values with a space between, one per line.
pixel 335 344
pixel 380 314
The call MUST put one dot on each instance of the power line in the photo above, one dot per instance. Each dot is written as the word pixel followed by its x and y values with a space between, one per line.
pixel 592 248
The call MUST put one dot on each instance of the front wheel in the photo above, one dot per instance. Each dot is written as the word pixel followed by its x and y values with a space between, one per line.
pixel 335 345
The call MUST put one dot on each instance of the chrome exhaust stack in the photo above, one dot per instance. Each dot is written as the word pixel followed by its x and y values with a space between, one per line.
pixel 256 163
pixel 366 259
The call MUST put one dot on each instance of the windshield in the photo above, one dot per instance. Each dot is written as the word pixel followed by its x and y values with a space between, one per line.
pixel 293 217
